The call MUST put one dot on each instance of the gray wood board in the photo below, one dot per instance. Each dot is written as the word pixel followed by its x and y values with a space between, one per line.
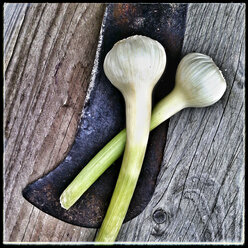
pixel 199 195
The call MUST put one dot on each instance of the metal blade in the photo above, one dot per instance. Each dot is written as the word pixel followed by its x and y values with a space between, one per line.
pixel 103 117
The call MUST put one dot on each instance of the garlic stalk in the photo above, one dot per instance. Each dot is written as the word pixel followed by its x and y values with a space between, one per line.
pixel 133 65
pixel 208 87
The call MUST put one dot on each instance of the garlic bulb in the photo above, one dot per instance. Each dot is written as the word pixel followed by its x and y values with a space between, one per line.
pixel 200 80
pixel 133 65
pixel 135 62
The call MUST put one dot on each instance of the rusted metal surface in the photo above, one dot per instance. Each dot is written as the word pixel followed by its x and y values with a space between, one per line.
pixel 104 117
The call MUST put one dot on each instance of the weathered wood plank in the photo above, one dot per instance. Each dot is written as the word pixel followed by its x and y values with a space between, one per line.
pixel 49 54
pixel 13 18
pixel 199 195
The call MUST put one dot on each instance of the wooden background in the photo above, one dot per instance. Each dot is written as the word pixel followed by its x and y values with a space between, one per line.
pixel 49 51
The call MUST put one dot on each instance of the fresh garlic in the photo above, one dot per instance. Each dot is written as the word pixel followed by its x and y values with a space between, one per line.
pixel 133 65
pixel 200 80
pixel 199 83
pixel 191 90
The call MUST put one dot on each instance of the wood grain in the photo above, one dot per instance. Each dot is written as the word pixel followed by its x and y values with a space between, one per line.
pixel 49 52
pixel 47 73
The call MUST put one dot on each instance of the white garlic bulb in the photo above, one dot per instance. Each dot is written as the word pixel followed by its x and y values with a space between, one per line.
pixel 133 65
pixel 200 80
pixel 135 62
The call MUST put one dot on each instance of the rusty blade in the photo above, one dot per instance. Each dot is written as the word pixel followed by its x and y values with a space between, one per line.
pixel 104 116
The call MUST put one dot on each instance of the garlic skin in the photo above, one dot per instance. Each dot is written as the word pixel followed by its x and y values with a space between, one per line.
pixel 200 80
pixel 133 62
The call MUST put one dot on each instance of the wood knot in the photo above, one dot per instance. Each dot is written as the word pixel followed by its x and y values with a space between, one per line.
pixel 159 216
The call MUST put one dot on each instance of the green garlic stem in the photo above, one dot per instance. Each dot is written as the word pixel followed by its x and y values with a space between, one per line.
pixel 113 150
pixel 167 107
pixel 93 170
pixel 138 112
